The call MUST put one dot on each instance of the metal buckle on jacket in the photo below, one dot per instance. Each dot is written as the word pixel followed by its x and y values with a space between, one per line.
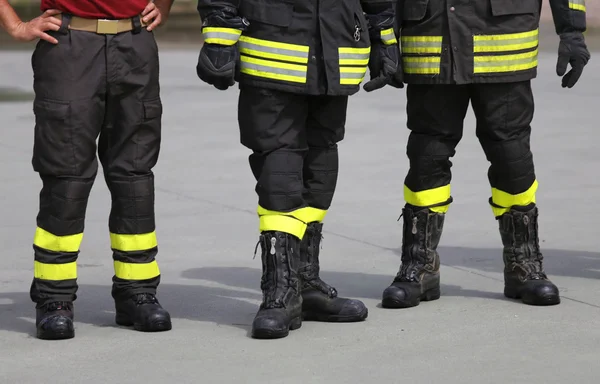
pixel 107 27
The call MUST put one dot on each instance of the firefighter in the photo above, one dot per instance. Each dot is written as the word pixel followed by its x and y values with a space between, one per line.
pixel 484 52
pixel 296 63
pixel 95 75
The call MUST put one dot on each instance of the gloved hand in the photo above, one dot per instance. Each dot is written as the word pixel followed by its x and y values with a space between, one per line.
pixel 219 56
pixel 572 49
pixel 385 67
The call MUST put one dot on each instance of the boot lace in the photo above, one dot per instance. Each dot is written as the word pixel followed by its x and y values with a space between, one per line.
pixel 58 306
pixel 145 298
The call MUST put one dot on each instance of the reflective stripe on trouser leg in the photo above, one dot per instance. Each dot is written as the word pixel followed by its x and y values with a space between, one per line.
pixel 293 222
pixel 57 239
pixel 504 134
pixel 511 173
pixel 133 237
pixel 427 183
pixel 501 201
pixel 435 118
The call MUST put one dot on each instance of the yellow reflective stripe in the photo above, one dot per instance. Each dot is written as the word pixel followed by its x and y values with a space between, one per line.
pixel 274 44
pixel 507 200
pixel 273 70
pixel 506 63
pixel 293 222
pixel 306 214
pixel 388 37
pixel 427 197
pixel 55 272
pixel 273 50
pixel 354 56
pixel 352 75
pixel 440 209
pixel 577 5
pixel 362 51
pixel 50 242
pixel 507 36
pixel 131 243
pixel 136 271
pixel 508 42
pixel 421 44
pixel 223 36
pixel 283 222
pixel 421 65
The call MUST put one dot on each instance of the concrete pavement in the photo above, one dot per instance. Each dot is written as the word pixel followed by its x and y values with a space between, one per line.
pixel 207 231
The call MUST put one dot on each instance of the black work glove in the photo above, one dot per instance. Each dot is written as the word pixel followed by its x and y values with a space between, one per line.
pixel 571 50
pixel 219 56
pixel 385 67
pixel 384 62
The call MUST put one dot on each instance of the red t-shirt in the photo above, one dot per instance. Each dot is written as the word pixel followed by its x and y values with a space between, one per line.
pixel 97 9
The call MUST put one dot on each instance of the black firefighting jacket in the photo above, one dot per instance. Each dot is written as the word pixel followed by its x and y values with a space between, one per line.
pixel 315 47
pixel 477 41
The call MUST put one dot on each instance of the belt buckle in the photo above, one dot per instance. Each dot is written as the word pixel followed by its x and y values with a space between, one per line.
pixel 107 27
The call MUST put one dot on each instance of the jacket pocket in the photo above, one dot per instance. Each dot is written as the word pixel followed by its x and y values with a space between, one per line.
pixel 415 10
pixel 277 13
pixel 514 7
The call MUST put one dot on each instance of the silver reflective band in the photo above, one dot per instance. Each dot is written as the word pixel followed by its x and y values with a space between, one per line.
pixel 246 47
pixel 279 71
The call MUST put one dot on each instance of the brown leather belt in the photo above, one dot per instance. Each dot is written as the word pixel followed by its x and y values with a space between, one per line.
pixel 102 26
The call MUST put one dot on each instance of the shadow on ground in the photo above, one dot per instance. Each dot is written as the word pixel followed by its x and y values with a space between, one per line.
pixel 235 303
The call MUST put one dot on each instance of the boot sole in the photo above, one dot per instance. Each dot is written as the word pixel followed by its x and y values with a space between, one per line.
pixel 430 295
pixel 55 335
pixel 271 334
pixel 540 301
pixel 158 326
pixel 308 316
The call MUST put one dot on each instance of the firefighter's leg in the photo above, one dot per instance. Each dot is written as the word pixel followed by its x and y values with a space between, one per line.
pixel 129 148
pixel 435 119
pixel 272 125
pixel 325 128
pixel 69 110
pixel 504 114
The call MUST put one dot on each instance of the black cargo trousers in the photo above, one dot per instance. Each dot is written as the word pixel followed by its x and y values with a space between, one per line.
pixel 436 114
pixel 293 138
pixel 95 86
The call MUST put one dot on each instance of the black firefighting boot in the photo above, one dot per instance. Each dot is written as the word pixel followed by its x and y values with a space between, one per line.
pixel 419 275
pixel 281 307
pixel 144 312
pixel 524 276
pixel 320 301
pixel 54 321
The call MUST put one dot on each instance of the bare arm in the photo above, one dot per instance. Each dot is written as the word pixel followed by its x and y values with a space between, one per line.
pixel 31 30
pixel 156 13
pixel 8 17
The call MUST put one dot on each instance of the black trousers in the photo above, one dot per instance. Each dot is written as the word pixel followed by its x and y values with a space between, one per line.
pixel 90 87
pixel 435 118
pixel 294 157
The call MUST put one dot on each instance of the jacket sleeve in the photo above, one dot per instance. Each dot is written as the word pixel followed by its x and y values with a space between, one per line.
pixel 208 7
pixel 569 15
pixel 220 21
pixel 383 24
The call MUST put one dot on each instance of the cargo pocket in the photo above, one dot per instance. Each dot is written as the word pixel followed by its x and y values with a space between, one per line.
pixel 148 136
pixel 514 7
pixel 277 13
pixel 415 10
pixel 53 151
